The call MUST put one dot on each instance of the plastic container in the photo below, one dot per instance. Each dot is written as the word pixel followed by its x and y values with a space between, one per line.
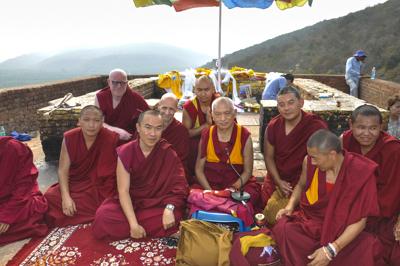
pixel 2 131
pixel 373 73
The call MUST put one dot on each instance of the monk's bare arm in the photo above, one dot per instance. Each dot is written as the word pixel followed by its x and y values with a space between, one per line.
pixel 199 169
pixel 269 158
pixel 248 158
pixel 63 170
pixel 349 234
pixel 296 195
pixel 123 184
pixel 187 122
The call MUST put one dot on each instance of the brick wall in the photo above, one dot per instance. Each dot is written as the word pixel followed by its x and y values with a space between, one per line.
pixel 335 81
pixel 378 91
pixel 18 105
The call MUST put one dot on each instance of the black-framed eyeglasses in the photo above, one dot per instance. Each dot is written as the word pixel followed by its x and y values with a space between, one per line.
pixel 117 82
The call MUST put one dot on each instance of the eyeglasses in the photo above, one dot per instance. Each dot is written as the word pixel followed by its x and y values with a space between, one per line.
pixel 116 82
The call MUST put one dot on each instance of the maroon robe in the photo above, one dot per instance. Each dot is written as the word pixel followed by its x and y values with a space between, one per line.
pixel 221 175
pixel 290 149
pixel 91 177
pixel 315 225
pixel 178 136
pixel 194 141
pixel 386 153
pixel 127 112
pixel 155 181
pixel 22 205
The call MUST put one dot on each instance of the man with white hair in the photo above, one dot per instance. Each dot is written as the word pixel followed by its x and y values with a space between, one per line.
pixel 174 131
pixel 225 157
pixel 120 105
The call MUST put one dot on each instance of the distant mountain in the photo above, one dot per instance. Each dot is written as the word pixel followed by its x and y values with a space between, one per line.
pixel 145 58
pixel 325 46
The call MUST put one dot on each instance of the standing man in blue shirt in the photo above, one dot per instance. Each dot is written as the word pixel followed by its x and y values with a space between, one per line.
pixel 353 71
pixel 275 85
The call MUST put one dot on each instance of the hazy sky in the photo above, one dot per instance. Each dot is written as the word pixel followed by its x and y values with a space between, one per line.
pixel 51 25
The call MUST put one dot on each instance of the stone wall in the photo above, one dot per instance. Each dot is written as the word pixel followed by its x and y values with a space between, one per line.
pixel 335 81
pixel 53 125
pixel 18 105
pixel 378 91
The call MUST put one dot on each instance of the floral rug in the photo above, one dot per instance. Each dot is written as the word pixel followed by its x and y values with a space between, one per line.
pixel 75 245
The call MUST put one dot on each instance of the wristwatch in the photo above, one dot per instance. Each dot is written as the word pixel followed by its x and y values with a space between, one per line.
pixel 170 207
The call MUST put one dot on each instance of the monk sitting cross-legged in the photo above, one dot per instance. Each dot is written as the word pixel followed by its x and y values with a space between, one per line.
pixel 174 132
pixel 196 116
pixel 152 187
pixel 285 146
pixel 86 171
pixel 366 137
pixel 225 158
pixel 22 205
pixel 121 105
pixel 336 193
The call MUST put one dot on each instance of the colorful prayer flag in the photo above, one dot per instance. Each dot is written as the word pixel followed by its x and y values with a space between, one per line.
pixel 285 4
pixel 248 3
pixel 144 3
pixel 181 5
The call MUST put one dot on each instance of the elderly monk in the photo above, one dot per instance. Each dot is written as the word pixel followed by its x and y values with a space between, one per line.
pixel 152 187
pixel 285 143
pixel 196 116
pixel 225 158
pixel 121 105
pixel 366 137
pixel 22 206
pixel 86 171
pixel 337 193
pixel 174 132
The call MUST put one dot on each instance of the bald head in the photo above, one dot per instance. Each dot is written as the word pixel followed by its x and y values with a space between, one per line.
pixel 222 101
pixel 117 71
pixel 324 141
pixel 170 97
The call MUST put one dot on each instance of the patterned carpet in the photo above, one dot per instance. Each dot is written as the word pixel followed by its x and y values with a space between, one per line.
pixel 75 245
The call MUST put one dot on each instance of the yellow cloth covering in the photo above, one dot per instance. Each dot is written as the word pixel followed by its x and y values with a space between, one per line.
pixel 276 202
pixel 171 80
pixel 312 191
pixel 144 3
pixel 235 157
pixel 258 241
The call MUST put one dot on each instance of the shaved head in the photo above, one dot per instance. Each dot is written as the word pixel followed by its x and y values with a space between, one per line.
pixel 169 95
pixel 324 141
pixel 117 70
pixel 366 110
pixel 92 108
pixel 222 100
pixel 148 112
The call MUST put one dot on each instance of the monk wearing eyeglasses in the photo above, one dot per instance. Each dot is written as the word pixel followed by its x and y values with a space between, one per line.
pixel 120 105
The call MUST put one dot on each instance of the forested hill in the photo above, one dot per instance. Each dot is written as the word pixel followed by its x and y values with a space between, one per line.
pixel 325 46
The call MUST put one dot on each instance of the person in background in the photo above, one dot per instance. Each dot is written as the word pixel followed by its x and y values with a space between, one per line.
pixel 273 87
pixel 394 116
pixel 120 105
pixel 354 66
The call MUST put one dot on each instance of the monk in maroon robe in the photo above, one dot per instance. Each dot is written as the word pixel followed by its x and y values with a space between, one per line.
pixel 88 161
pixel 174 131
pixel 225 159
pixel 337 193
pixel 22 205
pixel 196 116
pixel 365 137
pixel 121 105
pixel 152 187
pixel 285 143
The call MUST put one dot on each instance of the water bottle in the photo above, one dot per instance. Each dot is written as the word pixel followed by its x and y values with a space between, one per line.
pixel 373 73
pixel 2 131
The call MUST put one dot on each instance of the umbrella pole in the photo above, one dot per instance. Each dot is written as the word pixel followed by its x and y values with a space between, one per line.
pixel 219 43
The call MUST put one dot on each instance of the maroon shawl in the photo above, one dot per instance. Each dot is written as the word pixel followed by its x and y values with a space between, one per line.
pixel 157 179
pixel 127 112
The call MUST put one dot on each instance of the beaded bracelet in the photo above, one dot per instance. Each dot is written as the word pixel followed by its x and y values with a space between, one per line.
pixel 326 253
